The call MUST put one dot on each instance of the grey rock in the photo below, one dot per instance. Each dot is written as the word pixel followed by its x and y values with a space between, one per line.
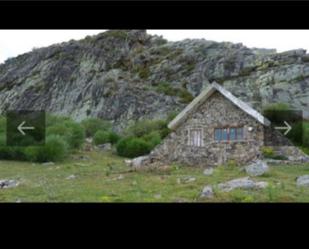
pixel 241 183
pixel 105 147
pixel 128 162
pixel 208 172
pixel 257 168
pixel 48 163
pixel 188 179
pixel 70 177
pixel 302 181
pixel 157 196
pixel 140 161
pixel 8 183
pixel 207 192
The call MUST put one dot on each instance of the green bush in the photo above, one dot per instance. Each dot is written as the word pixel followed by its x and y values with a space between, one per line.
pixel 72 132
pixel 76 136
pixel 299 134
pixel 113 137
pixel 154 138
pixel 52 120
pixel 267 152
pixel 2 124
pixel 272 112
pixel 133 147
pixel 10 152
pixel 55 149
pixel 92 125
pixel 102 137
pixel 144 127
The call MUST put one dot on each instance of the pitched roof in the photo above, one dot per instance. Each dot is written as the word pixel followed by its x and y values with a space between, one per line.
pixel 205 94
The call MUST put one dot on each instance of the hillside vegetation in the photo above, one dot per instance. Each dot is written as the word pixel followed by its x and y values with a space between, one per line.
pixel 125 75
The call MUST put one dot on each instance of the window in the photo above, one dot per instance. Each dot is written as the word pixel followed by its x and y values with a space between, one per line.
pixel 229 134
pixel 196 137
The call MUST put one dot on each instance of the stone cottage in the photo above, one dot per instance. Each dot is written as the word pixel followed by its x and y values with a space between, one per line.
pixel 214 128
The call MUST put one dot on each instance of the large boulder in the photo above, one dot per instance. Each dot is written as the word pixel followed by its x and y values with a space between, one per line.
pixel 241 183
pixel 257 168
pixel 139 161
pixel 302 181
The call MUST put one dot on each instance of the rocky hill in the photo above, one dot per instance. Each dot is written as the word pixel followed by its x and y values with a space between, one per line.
pixel 124 75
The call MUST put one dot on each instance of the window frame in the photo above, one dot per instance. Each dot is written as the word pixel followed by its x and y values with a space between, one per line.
pixel 228 129
pixel 201 139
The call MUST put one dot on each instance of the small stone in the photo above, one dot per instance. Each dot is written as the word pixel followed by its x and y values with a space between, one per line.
pixel 107 146
pixel 302 181
pixel 120 177
pixel 89 140
pixel 80 164
pixel 208 172
pixel 48 163
pixel 71 177
pixel 128 162
pixel 207 192
pixel 157 196
pixel 8 183
pixel 261 184
pixel 257 168
pixel 188 179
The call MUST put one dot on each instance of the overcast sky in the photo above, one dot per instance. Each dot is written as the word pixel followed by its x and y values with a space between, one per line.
pixel 15 42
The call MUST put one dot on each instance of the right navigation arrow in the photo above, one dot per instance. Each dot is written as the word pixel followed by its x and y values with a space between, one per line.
pixel 287 128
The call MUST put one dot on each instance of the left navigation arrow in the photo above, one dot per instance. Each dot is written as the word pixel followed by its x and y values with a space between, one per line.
pixel 21 128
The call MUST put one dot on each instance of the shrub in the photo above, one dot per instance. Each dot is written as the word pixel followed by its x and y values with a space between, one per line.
pixel 154 138
pixel 274 114
pixel 10 152
pixel 71 132
pixel 55 120
pixel 144 127
pixel 92 125
pixel 267 152
pixel 102 137
pixel 133 147
pixel 2 124
pixel 55 149
pixel 76 136
pixel 113 137
pixel 299 133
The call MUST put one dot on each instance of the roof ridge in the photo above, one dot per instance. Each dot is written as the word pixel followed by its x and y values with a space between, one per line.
pixel 205 94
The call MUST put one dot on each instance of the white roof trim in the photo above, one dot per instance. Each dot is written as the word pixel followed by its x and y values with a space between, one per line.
pixel 204 95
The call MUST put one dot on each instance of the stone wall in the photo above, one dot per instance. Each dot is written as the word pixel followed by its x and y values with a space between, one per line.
pixel 216 112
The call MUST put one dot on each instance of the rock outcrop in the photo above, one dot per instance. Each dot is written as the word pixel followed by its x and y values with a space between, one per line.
pixel 125 75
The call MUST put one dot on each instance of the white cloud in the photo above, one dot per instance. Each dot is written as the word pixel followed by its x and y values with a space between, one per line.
pixel 15 42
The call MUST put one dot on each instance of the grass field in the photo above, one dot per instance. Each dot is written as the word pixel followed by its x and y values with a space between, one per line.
pixel 103 177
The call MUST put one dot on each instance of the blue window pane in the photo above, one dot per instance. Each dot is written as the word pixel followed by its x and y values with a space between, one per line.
pixel 224 134
pixel 217 134
pixel 240 133
pixel 232 134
